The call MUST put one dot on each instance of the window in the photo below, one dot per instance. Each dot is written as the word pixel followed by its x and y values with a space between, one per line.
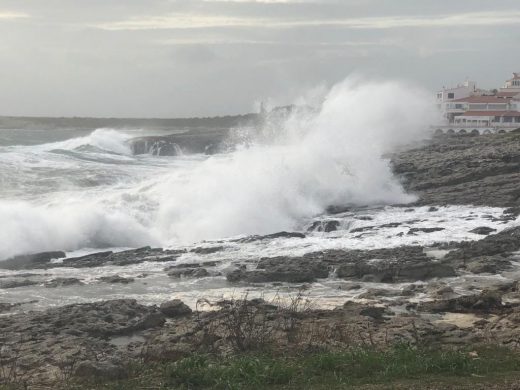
pixel 451 95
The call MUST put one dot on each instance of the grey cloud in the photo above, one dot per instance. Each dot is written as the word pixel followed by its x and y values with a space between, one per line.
pixel 109 58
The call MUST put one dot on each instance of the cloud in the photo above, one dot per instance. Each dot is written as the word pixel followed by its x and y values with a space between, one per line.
pixel 194 21
pixel 207 40
pixel 12 15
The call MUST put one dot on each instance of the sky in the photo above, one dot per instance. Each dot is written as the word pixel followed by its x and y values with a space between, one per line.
pixel 184 58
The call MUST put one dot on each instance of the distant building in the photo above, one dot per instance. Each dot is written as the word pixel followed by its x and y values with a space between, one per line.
pixel 512 85
pixel 468 109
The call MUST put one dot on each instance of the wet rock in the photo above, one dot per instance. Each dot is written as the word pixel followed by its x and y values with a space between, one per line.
pixel 376 313
pixel 200 141
pixel 115 279
pixel 376 293
pixel 37 260
pixel 414 231
pixel 133 256
pixel 349 287
pixel 487 302
pixel 324 226
pixel 411 289
pixel 483 230
pixel 391 225
pixel 433 209
pixel 5 307
pixel 444 292
pixel 14 283
pixel 481 170
pixel 390 272
pixel 278 275
pixel 174 308
pixel 362 229
pixel 63 282
pixel 281 269
pixel 502 243
pixel 151 320
pixel 189 272
pixel 487 264
pixel 338 209
pixel 272 236
pixel 207 250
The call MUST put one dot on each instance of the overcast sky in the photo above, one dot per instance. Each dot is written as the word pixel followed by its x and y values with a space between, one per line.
pixel 170 58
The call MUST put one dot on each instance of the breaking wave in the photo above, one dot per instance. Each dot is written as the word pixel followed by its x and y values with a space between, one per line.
pixel 316 158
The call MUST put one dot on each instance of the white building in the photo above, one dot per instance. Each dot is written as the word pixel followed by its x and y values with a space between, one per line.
pixel 478 111
pixel 512 85
pixel 468 88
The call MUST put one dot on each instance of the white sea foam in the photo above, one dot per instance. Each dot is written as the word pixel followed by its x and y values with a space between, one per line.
pixel 329 156
pixel 332 156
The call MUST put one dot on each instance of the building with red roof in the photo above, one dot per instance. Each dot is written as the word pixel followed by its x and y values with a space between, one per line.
pixel 475 109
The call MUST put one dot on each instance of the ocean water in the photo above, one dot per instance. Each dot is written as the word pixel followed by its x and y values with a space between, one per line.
pixel 82 190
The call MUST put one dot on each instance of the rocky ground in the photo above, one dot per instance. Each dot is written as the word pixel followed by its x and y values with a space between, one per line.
pixel 101 338
pixel 478 170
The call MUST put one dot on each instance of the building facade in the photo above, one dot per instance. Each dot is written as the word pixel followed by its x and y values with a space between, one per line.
pixel 466 108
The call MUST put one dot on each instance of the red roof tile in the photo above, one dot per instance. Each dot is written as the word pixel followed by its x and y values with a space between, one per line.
pixel 483 99
pixel 492 113
pixel 507 94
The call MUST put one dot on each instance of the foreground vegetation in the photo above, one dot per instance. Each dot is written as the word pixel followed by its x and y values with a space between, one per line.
pixel 401 366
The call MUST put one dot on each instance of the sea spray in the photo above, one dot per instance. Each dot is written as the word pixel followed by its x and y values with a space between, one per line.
pixel 332 155
pixel 297 166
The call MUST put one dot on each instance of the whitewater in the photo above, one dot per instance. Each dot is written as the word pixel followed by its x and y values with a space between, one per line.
pixel 91 192
pixel 83 191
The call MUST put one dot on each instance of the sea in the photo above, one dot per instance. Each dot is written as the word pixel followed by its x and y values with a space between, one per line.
pixel 82 190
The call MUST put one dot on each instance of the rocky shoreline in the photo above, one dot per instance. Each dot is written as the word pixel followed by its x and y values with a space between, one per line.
pixel 411 300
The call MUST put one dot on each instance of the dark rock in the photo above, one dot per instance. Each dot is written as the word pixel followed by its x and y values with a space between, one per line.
pixel 99 259
pixel 200 141
pixel 349 287
pixel 174 308
pixel 63 282
pixel 115 279
pixel 433 209
pixel 486 303
pixel 411 290
pixel 338 209
pixel 14 283
pixel 152 320
pixel 37 260
pixel 481 170
pixel 362 229
pixel 404 270
pixel 503 243
pixel 364 218
pixel 483 230
pixel 282 269
pixel 376 293
pixel 413 231
pixel 391 225
pixel 207 250
pixel 487 264
pixel 272 236
pixel 324 226
pixel 189 272
pixel 5 307
pixel 376 313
